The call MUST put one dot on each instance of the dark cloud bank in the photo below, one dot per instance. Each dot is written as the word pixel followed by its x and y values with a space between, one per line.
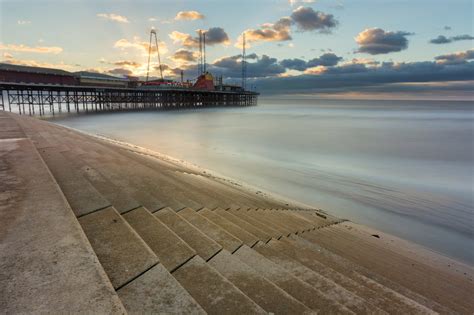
pixel 451 72
pixel 386 77
pixel 441 39
pixel 376 41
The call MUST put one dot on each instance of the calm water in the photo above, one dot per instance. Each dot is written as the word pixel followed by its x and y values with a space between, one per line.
pixel 402 167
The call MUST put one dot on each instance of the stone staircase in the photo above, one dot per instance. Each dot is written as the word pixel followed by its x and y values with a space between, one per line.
pixel 174 241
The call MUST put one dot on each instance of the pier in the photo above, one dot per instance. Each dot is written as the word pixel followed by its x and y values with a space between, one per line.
pixel 43 99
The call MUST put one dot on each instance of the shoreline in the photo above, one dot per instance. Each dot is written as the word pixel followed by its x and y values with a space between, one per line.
pixel 142 232
pixel 431 254
pixel 198 169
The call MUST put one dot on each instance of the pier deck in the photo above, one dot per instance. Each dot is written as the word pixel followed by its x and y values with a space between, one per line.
pixel 89 225
pixel 38 99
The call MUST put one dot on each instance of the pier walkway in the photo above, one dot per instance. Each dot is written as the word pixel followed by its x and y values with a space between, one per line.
pixel 92 226
pixel 47 99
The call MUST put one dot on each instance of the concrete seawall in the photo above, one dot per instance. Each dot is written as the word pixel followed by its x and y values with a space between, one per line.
pixel 92 226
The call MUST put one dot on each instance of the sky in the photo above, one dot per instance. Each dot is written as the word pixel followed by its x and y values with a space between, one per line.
pixel 403 49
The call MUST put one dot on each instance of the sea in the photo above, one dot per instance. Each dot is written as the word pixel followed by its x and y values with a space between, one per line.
pixel 402 167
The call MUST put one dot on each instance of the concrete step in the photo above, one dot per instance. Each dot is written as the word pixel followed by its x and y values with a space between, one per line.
pixel 314 217
pixel 138 182
pixel 118 198
pixel 47 264
pixel 300 290
pixel 157 292
pixel 245 237
pixel 411 274
pixel 334 268
pixel 262 291
pixel 175 194
pixel 138 178
pixel 129 183
pixel 197 240
pixel 171 250
pixel 213 231
pixel 202 185
pixel 277 252
pixel 292 221
pixel 282 221
pixel 253 220
pixel 303 223
pixel 244 224
pixel 239 197
pixel 226 192
pixel 121 251
pixel 79 192
pixel 214 293
pixel 201 192
pixel 269 218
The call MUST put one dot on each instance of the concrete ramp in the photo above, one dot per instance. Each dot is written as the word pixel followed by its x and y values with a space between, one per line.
pixel 46 262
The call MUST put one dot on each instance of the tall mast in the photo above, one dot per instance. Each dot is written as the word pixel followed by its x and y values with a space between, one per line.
pixel 149 55
pixel 200 54
pixel 153 32
pixel 204 50
pixel 244 66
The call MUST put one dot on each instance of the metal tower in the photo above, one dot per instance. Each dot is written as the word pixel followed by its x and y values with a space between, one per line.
pixel 244 65
pixel 200 54
pixel 204 51
pixel 153 32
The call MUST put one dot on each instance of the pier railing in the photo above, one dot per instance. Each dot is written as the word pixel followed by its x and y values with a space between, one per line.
pixel 34 99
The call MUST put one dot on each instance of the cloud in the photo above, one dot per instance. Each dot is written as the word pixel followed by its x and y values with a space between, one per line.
pixel 376 41
pixel 456 58
pixel 441 39
pixel 127 63
pixel 293 2
pixel 447 28
pixel 36 63
pixel 184 56
pixel 7 56
pixel 23 22
pixel 140 45
pixel 189 16
pixel 214 36
pixel 152 19
pixel 279 31
pixel 231 67
pixel 327 60
pixel 306 19
pixel 120 71
pixel 354 77
pixel 27 49
pixel 113 17
pixel 184 39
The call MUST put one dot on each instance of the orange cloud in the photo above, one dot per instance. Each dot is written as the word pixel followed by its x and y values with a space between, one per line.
pixel 28 49
pixel 35 63
pixel 269 32
pixel 189 15
pixel 184 39
pixel 316 70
